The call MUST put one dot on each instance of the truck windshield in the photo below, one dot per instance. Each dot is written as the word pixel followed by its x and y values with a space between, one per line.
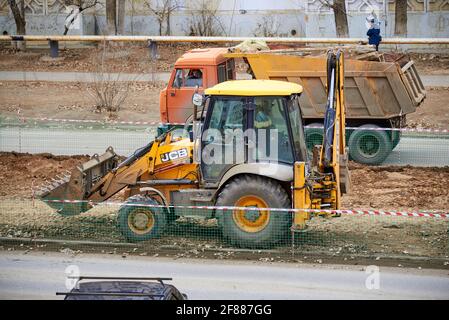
pixel 297 128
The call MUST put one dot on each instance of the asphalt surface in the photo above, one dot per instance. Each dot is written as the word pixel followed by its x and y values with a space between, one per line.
pixel 72 142
pixel 428 80
pixel 413 150
pixel 41 275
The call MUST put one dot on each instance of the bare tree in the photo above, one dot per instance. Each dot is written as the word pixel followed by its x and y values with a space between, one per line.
pixel 77 7
pixel 268 27
pixel 340 16
pixel 400 21
pixel 110 88
pixel 162 9
pixel 18 11
pixel 115 16
pixel 204 21
pixel 111 16
pixel 121 12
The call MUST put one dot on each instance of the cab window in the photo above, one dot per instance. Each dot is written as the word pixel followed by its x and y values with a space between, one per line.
pixel 227 113
pixel 296 122
pixel 226 71
pixel 188 78
pixel 272 135
pixel 222 144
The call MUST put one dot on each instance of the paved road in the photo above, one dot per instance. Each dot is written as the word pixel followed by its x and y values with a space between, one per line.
pixel 428 80
pixel 39 276
pixel 416 151
pixel 72 142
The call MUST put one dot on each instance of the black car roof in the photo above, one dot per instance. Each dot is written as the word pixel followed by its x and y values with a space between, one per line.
pixel 123 290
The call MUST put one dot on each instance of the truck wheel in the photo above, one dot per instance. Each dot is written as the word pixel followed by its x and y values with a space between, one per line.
pixel 140 223
pixel 396 137
pixel 369 146
pixel 313 136
pixel 253 228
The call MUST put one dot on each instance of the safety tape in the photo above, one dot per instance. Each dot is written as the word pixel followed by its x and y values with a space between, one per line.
pixel 434 214
pixel 421 130
pixel 151 123
pixel 157 123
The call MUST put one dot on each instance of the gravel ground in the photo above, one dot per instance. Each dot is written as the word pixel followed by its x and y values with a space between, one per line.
pixel 395 188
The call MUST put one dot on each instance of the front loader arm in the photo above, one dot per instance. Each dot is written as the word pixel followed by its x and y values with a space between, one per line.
pixel 98 179
pixel 127 173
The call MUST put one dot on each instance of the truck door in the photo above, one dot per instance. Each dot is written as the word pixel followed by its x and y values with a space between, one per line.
pixel 180 90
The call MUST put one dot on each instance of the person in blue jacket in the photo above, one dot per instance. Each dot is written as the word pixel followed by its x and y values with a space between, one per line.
pixel 373 34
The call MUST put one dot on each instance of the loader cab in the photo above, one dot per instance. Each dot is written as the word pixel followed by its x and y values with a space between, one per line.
pixel 250 123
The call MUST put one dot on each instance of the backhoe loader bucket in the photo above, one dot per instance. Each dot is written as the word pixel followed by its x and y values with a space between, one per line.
pixel 67 194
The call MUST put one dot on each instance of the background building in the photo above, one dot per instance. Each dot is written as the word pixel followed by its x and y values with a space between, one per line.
pixel 307 18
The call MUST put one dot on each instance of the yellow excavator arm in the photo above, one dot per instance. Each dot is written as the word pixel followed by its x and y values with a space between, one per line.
pixel 165 162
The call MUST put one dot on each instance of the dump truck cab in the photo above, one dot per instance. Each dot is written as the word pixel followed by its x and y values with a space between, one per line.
pixel 195 70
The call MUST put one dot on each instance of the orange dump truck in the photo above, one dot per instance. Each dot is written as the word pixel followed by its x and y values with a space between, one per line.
pixel 379 94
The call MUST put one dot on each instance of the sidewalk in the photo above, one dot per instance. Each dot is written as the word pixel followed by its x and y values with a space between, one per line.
pixel 79 76
pixel 89 77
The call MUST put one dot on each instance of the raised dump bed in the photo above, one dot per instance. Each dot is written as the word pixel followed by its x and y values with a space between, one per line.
pixel 379 94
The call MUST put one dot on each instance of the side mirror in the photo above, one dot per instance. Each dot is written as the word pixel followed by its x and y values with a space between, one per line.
pixel 197 99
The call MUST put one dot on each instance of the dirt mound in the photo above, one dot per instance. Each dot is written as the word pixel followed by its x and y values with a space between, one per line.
pixel 398 188
pixel 395 188
pixel 392 188
pixel 19 172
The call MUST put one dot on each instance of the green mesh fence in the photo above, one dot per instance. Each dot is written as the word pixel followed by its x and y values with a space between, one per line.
pixel 347 237
pixel 371 145
pixel 413 178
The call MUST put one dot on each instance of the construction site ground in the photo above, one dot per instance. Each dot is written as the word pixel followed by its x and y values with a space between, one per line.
pixel 44 99
pixel 35 99
pixel 346 239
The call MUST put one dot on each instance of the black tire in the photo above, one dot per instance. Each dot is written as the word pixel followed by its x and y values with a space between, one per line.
pixel 313 136
pixel 396 137
pixel 131 229
pixel 274 196
pixel 370 147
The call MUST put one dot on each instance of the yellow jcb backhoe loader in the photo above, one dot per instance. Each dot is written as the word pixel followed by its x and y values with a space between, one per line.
pixel 246 151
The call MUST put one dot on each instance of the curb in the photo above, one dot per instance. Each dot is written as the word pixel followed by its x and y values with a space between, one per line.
pixel 18 241
pixel 15 241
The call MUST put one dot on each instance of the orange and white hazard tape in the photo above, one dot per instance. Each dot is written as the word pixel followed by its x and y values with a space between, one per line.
pixel 137 123
pixel 157 123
